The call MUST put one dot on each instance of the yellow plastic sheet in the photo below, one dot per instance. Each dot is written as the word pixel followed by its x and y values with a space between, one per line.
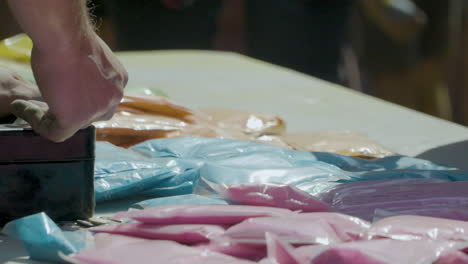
pixel 16 48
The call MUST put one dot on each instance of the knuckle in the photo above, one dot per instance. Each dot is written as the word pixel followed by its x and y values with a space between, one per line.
pixel 29 111
pixel 125 78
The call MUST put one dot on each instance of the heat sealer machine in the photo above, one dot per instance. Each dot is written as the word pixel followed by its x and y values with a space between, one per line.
pixel 37 175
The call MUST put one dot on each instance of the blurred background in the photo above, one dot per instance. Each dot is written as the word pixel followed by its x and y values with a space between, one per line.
pixel 410 52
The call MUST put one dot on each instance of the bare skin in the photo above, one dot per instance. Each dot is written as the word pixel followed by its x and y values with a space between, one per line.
pixel 14 87
pixel 78 76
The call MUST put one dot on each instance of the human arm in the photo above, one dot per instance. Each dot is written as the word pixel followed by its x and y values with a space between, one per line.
pixel 78 76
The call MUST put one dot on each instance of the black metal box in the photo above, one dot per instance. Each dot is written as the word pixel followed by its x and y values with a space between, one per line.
pixel 38 175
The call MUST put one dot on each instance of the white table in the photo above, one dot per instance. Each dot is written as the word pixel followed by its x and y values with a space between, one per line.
pixel 216 79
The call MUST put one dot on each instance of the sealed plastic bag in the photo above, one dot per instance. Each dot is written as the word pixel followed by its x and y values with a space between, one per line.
pixel 394 162
pixel 166 167
pixel 341 142
pixel 314 178
pixel 202 148
pixel 254 252
pixel 201 214
pixel 187 199
pixel 456 257
pixel 121 173
pixel 293 230
pixel 153 251
pixel 340 193
pixel 382 251
pixel 448 212
pixel 410 227
pixel 362 199
pixel 311 179
pixel 140 118
pixel 103 240
pixel 250 123
pixel 308 228
pixel 213 148
pixel 187 234
pixel 449 175
pixel 270 194
pixel 346 227
pixel 279 252
pixel 43 239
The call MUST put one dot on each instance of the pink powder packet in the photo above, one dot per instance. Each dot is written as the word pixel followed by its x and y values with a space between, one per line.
pixel 408 227
pixel 449 212
pixel 238 250
pixel 201 214
pixel 382 251
pixel 274 195
pixel 347 228
pixel 150 252
pixel 187 234
pixel 291 229
pixel 456 257
pixel 103 240
pixel 279 252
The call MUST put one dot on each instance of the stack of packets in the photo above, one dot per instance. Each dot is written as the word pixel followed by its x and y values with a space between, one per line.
pixel 139 118
pixel 222 233
pixel 228 197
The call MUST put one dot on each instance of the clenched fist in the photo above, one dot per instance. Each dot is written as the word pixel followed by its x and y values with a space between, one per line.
pixel 80 85
pixel 80 79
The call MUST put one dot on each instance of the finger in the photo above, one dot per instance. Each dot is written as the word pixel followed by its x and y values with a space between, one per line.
pixel 50 128
pixel 30 112
pixel 40 104
pixel 36 114
pixel 56 131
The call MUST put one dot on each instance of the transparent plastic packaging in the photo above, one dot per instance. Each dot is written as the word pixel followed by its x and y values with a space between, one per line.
pixel 449 212
pixel 299 231
pixel 201 214
pixel 346 227
pixel 382 251
pixel 187 199
pixel 270 194
pixel 139 118
pixel 455 257
pixel 121 173
pixel 253 252
pixel 409 227
pixel 103 240
pixel 279 252
pixel 179 166
pixel 187 234
pixel 153 251
pixel 43 239
pixel 340 142
pixel 400 196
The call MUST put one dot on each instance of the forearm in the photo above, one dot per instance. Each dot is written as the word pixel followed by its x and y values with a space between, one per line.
pixel 53 24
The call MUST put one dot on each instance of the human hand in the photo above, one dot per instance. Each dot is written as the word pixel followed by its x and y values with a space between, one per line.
pixel 81 82
pixel 14 87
